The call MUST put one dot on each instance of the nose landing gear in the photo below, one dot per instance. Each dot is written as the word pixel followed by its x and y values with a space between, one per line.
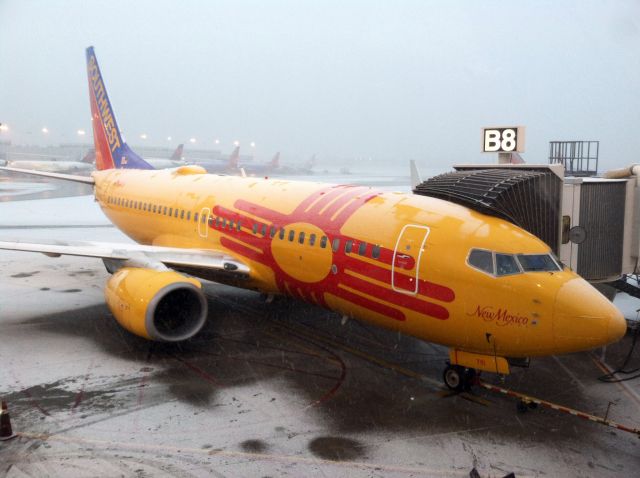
pixel 459 378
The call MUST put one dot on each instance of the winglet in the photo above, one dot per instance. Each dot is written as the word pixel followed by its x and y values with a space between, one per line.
pixel 415 174
pixel 111 149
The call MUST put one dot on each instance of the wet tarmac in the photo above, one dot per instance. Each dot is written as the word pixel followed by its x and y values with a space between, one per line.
pixel 279 389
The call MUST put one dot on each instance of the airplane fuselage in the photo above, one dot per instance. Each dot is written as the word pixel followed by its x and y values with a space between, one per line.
pixel 397 260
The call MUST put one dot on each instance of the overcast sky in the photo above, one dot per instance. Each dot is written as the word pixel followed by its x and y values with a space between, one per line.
pixel 387 79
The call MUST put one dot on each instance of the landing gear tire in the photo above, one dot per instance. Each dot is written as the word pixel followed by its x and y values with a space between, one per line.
pixel 454 377
pixel 458 378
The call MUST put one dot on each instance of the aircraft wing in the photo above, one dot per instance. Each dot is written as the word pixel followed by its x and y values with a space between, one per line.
pixel 136 255
pixel 48 174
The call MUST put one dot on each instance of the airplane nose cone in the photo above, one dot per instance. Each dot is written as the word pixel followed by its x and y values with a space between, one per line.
pixel 617 327
pixel 584 318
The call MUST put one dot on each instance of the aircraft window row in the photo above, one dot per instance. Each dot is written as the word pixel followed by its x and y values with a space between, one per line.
pixel 498 264
pixel 230 224
pixel 312 239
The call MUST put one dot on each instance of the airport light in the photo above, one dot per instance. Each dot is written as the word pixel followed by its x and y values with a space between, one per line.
pixel 45 130
pixel 253 144
pixel 143 136
pixel 192 140
pixel 236 143
pixel 4 127
pixel 81 132
pixel 217 141
pixel 168 138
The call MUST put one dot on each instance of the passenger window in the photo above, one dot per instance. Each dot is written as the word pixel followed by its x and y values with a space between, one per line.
pixel 195 217
pixel 312 239
pixel 175 214
pixel 506 264
pixel 230 224
pixel 165 211
pixel 182 214
pixel 263 231
pixel 481 260
pixel 375 251
pixel 281 233
pixel 323 242
pixel 362 249
pixel 188 215
pixel 170 211
pixel 223 223
pixel 238 225
pixel 154 208
pixel 210 223
pixel 348 246
pixel 336 244
pixel 292 235
pixel 301 237
pixel 255 228
pixel 272 232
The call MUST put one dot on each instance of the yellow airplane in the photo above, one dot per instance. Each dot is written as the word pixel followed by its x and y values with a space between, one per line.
pixel 488 290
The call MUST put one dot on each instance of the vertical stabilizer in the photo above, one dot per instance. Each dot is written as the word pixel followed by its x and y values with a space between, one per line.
pixel 234 158
pixel 111 149
pixel 177 154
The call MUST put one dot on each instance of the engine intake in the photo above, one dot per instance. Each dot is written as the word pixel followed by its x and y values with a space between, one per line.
pixel 158 305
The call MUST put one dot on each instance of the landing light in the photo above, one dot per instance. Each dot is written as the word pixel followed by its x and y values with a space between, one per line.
pixel 81 132
pixel 4 127
pixel 192 140
pixel 45 130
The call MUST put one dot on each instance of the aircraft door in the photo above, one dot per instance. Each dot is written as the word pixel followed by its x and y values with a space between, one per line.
pixel 405 266
pixel 203 222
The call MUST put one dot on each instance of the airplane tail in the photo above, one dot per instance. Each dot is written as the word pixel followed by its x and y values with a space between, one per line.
pixel 234 158
pixel 111 149
pixel 311 163
pixel 275 162
pixel 177 154
pixel 90 157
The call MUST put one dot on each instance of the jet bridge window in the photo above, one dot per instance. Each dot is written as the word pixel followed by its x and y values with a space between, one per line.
pixel 481 260
pixel 506 264
pixel 538 263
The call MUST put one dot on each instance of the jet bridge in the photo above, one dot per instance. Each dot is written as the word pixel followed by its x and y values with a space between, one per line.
pixel 591 223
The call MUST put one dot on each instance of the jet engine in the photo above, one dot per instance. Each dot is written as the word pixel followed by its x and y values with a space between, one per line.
pixel 157 305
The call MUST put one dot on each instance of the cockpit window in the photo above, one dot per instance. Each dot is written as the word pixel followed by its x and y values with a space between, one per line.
pixel 506 264
pixel 537 263
pixel 482 260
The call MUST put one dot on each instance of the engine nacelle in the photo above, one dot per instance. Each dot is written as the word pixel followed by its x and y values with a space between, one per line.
pixel 157 305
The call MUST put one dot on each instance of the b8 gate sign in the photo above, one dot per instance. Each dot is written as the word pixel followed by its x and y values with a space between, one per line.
pixel 506 139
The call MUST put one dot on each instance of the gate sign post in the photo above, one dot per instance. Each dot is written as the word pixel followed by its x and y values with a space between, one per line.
pixel 503 139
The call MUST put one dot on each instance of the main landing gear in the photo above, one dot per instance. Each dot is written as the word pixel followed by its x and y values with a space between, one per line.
pixel 459 378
